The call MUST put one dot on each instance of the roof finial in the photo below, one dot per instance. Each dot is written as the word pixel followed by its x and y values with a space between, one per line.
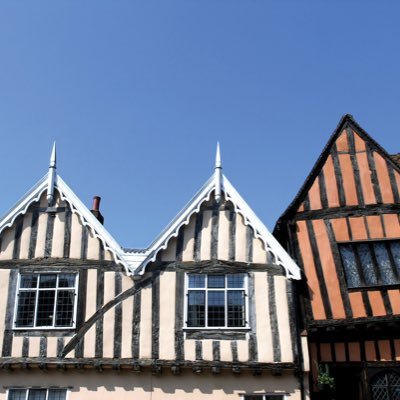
pixel 51 176
pixel 218 174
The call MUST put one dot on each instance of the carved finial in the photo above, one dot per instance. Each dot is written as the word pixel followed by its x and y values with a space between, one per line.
pixel 218 174
pixel 51 176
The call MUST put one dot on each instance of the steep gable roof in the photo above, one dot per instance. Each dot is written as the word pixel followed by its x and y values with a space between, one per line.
pixel 50 182
pixel 347 121
pixel 217 184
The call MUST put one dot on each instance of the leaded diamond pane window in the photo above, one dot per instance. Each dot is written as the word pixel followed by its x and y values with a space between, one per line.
pixel 373 263
pixel 386 386
pixel 216 300
pixel 37 394
pixel 46 300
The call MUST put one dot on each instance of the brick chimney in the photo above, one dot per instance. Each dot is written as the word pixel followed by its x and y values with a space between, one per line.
pixel 96 209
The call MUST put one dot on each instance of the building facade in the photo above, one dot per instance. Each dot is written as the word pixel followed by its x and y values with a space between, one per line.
pixel 343 229
pixel 206 311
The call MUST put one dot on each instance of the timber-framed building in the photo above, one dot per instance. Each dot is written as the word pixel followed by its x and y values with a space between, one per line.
pixel 206 311
pixel 343 229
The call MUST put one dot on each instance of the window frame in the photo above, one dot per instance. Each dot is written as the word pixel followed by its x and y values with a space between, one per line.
pixel 27 389
pixel 37 290
pixel 283 396
pixel 245 288
pixel 375 264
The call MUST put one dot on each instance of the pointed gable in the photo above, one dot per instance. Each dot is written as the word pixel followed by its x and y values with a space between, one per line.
pixel 67 229
pixel 352 170
pixel 227 230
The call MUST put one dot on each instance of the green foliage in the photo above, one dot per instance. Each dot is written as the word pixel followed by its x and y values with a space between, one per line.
pixel 325 379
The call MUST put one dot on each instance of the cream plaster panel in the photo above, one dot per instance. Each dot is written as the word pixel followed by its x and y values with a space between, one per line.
pixel 4 278
pixel 41 234
pixel 207 350
pixel 223 235
pixel 25 236
pixel 169 254
pixel 90 342
pixel 190 350
pixel 91 385
pixel 243 350
pixel 57 249
pixel 205 252
pixel 263 326
pixel 109 286
pixel 259 255
pixel 108 333
pixel 34 346
pixel 226 350
pixel 127 319
pixel 17 346
pixel 7 244
pixel 240 239
pixel 109 316
pixel 145 323
pixel 90 336
pixel 76 237
pixel 52 346
pixel 188 237
pixel 283 318
pixel 306 357
pixel 167 315
pixel 93 246
pixel 108 256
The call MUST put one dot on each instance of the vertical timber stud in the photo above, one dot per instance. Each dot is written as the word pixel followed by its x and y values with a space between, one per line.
pixel 34 229
pixel 197 236
pixel 374 176
pixel 232 235
pixel 99 305
pixel 338 174
pixel 354 163
pixel 155 294
pixel 273 318
pixel 214 231
pixel 49 234
pixel 67 231
pixel 17 238
pixel 118 317
pixel 81 309
pixel 137 299
pixel 253 350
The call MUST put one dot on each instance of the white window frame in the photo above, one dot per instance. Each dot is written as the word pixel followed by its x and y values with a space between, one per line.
pixel 56 289
pixel 225 327
pixel 27 389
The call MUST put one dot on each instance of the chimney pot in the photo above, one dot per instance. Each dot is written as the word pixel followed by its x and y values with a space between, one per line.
pixel 96 203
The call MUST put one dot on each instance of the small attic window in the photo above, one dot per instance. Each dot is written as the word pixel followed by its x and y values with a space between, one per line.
pixel 46 300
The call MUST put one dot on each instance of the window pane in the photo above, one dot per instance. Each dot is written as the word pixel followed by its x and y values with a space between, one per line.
pixel 196 308
pixel 197 281
pixel 236 309
pixel 216 308
pixel 216 281
pixel 65 308
pixel 366 263
pixel 349 265
pixel 385 268
pixel 66 280
pixel 28 281
pixel 395 249
pixel 17 394
pixel 45 309
pixel 57 394
pixel 236 281
pixel 48 280
pixel 25 309
pixel 37 394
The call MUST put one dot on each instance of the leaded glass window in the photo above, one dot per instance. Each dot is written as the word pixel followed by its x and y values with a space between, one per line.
pixel 386 386
pixel 37 394
pixel 46 300
pixel 216 300
pixel 371 263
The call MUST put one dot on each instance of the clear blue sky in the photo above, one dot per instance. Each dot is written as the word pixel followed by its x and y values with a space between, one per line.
pixel 136 94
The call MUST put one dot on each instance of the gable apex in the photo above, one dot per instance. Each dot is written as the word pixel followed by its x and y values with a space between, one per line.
pixel 77 207
pixel 240 206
